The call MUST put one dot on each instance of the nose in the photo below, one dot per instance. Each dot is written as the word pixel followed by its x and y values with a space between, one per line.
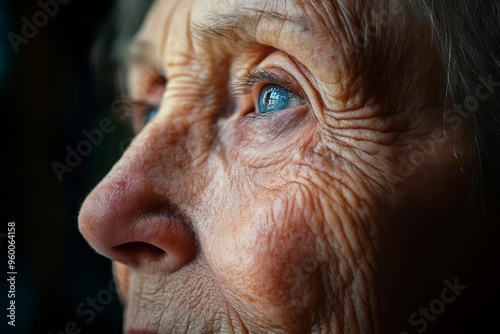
pixel 130 218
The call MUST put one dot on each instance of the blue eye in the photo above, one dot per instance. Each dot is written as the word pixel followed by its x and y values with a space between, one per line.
pixel 274 98
pixel 150 114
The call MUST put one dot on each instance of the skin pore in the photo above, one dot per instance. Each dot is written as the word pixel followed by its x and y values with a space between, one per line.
pixel 220 218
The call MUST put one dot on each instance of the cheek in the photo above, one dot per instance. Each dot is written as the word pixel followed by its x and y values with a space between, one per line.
pixel 265 257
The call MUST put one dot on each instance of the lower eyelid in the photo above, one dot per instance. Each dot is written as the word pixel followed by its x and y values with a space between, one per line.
pixel 256 130
pixel 281 114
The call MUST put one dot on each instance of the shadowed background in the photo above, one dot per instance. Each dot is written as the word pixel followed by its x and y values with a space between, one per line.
pixel 49 96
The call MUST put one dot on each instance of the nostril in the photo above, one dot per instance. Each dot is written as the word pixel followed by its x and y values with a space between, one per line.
pixel 126 220
pixel 138 251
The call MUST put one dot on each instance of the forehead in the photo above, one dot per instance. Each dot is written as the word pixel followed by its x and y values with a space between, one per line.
pixel 172 24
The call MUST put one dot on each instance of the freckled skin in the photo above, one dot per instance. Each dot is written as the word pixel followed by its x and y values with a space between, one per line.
pixel 296 222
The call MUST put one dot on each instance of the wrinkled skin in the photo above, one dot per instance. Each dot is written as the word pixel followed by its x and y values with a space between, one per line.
pixel 221 220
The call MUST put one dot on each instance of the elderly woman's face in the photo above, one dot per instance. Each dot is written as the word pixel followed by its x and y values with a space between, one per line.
pixel 275 190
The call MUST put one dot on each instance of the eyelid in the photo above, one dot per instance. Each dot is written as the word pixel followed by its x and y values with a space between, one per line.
pixel 152 99
pixel 246 82
pixel 139 107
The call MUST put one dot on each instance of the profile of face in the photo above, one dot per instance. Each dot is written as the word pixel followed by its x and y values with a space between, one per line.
pixel 284 178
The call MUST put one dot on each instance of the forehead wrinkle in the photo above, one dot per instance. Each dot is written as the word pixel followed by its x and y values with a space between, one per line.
pixel 239 23
pixel 149 44
pixel 337 17
pixel 332 18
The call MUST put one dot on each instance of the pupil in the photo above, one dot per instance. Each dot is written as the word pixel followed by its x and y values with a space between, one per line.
pixel 274 98
pixel 269 95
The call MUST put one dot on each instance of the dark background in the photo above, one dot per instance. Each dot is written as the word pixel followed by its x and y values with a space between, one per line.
pixel 49 95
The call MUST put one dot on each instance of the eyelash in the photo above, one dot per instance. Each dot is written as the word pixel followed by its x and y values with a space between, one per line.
pixel 137 107
pixel 245 83
pixel 136 112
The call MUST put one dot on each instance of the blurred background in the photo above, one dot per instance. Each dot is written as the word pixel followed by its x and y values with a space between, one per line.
pixel 49 95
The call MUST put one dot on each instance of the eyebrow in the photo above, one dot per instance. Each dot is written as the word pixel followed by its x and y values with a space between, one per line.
pixel 239 24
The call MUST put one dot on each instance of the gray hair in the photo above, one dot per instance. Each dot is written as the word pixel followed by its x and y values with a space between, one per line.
pixel 466 35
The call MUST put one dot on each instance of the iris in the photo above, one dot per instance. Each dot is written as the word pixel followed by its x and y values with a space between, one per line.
pixel 150 114
pixel 275 98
